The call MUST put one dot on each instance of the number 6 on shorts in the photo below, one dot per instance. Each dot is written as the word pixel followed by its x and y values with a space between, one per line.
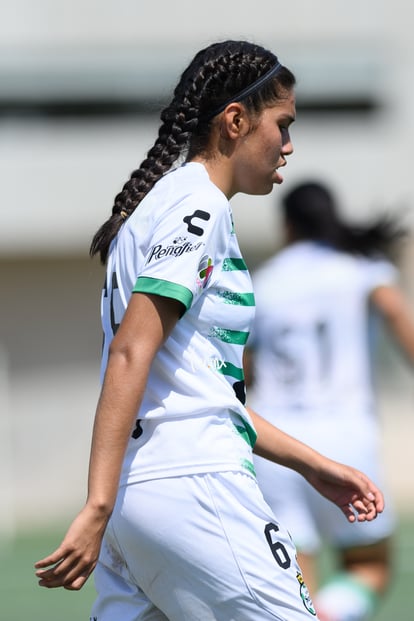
pixel 278 549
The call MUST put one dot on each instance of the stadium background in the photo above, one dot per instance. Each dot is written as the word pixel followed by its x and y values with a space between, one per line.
pixel 81 84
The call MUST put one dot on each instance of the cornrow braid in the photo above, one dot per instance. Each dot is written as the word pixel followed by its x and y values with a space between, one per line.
pixel 216 75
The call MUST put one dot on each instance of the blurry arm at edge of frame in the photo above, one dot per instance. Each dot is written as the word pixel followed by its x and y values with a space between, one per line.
pixel 248 355
pixel 147 323
pixel 391 303
pixel 352 491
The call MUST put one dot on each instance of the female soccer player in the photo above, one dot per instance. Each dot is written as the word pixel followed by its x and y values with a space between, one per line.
pixel 173 504
pixel 310 346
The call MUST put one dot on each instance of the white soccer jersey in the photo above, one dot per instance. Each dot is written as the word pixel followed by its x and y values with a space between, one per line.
pixel 311 332
pixel 180 243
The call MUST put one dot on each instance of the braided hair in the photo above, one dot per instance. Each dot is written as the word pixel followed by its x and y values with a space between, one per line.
pixel 215 75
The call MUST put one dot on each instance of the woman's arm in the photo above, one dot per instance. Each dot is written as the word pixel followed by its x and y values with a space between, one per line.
pixel 147 323
pixel 351 490
pixel 394 308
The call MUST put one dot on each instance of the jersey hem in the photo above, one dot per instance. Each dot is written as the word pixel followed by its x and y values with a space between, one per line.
pixel 246 467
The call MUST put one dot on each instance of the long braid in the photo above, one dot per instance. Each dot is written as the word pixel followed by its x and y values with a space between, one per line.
pixel 216 73
pixel 172 141
pixel 158 161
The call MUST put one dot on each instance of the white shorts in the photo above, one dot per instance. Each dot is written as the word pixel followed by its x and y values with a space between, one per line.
pixel 309 517
pixel 198 548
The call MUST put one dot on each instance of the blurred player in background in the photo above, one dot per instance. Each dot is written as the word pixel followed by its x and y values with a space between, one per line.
pixel 309 365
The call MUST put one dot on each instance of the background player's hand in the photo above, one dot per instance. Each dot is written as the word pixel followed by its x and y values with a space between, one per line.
pixel 352 491
pixel 71 564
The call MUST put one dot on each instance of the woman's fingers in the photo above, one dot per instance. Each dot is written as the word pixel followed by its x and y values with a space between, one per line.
pixel 72 578
pixel 69 571
pixel 363 509
pixel 52 559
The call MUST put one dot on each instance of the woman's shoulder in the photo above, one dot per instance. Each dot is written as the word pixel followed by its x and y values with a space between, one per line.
pixel 189 185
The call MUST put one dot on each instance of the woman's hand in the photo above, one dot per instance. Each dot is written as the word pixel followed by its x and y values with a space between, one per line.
pixel 71 564
pixel 147 322
pixel 352 491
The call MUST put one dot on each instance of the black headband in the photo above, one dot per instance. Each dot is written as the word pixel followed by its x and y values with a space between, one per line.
pixel 247 91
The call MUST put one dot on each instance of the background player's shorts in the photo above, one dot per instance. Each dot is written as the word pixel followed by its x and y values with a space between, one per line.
pixel 309 517
pixel 198 548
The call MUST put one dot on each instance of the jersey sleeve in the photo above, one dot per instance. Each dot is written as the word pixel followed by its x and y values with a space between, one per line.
pixel 379 273
pixel 187 245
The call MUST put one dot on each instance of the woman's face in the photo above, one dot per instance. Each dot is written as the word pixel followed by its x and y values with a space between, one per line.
pixel 263 150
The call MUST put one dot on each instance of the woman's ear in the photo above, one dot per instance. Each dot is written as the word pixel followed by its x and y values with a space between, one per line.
pixel 234 121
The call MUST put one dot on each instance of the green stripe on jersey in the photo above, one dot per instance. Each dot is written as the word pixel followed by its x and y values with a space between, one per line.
pixel 234 337
pixel 248 466
pixel 230 265
pixel 164 288
pixel 227 368
pixel 247 432
pixel 239 299
pixel 249 435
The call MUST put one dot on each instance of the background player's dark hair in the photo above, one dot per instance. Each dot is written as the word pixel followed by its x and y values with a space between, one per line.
pixel 215 75
pixel 310 210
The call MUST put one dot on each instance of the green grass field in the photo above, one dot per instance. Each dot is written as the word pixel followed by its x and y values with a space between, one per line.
pixel 21 599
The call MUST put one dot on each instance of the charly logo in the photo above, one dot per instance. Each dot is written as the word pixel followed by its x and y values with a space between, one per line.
pixel 304 593
pixel 178 247
pixel 198 215
pixel 205 270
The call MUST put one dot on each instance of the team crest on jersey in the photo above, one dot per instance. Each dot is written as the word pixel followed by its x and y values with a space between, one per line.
pixel 304 593
pixel 205 270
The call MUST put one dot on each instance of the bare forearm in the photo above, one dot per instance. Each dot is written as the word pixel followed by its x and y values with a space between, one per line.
pixel 402 327
pixel 347 487
pixel 281 448
pixel 116 412
pixel 146 325
pixel 398 315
